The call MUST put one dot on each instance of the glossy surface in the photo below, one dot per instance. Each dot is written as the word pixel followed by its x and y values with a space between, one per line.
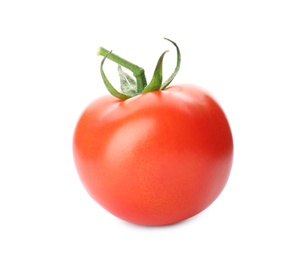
pixel 155 159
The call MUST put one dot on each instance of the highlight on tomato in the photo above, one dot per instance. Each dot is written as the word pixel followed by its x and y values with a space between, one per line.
pixel 152 153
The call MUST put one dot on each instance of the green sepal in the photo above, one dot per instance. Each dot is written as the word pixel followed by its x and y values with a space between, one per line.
pixel 156 82
pixel 128 84
pixel 137 71
pixel 108 85
pixel 169 80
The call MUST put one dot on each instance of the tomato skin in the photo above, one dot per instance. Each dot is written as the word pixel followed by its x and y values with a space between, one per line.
pixel 157 158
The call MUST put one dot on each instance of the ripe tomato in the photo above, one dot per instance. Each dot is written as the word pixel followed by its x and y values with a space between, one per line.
pixel 156 158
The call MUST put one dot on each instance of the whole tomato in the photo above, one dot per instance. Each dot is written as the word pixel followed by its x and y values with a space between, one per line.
pixel 156 157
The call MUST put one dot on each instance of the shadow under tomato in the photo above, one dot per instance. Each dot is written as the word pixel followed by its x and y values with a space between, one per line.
pixel 197 217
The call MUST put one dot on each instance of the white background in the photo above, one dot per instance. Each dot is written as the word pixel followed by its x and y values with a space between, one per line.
pixel 246 53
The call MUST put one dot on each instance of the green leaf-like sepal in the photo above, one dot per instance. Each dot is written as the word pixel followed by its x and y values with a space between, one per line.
pixel 169 80
pixel 108 85
pixel 137 71
pixel 156 82
pixel 128 84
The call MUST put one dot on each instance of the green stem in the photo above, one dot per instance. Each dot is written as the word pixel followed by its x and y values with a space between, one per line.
pixel 137 71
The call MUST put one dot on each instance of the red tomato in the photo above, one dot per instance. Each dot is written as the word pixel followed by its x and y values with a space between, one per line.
pixel 157 158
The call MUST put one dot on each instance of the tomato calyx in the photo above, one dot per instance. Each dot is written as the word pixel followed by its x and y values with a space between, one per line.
pixel 130 86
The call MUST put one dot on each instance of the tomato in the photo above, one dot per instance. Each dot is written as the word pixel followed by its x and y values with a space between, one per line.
pixel 157 158
pixel 153 154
